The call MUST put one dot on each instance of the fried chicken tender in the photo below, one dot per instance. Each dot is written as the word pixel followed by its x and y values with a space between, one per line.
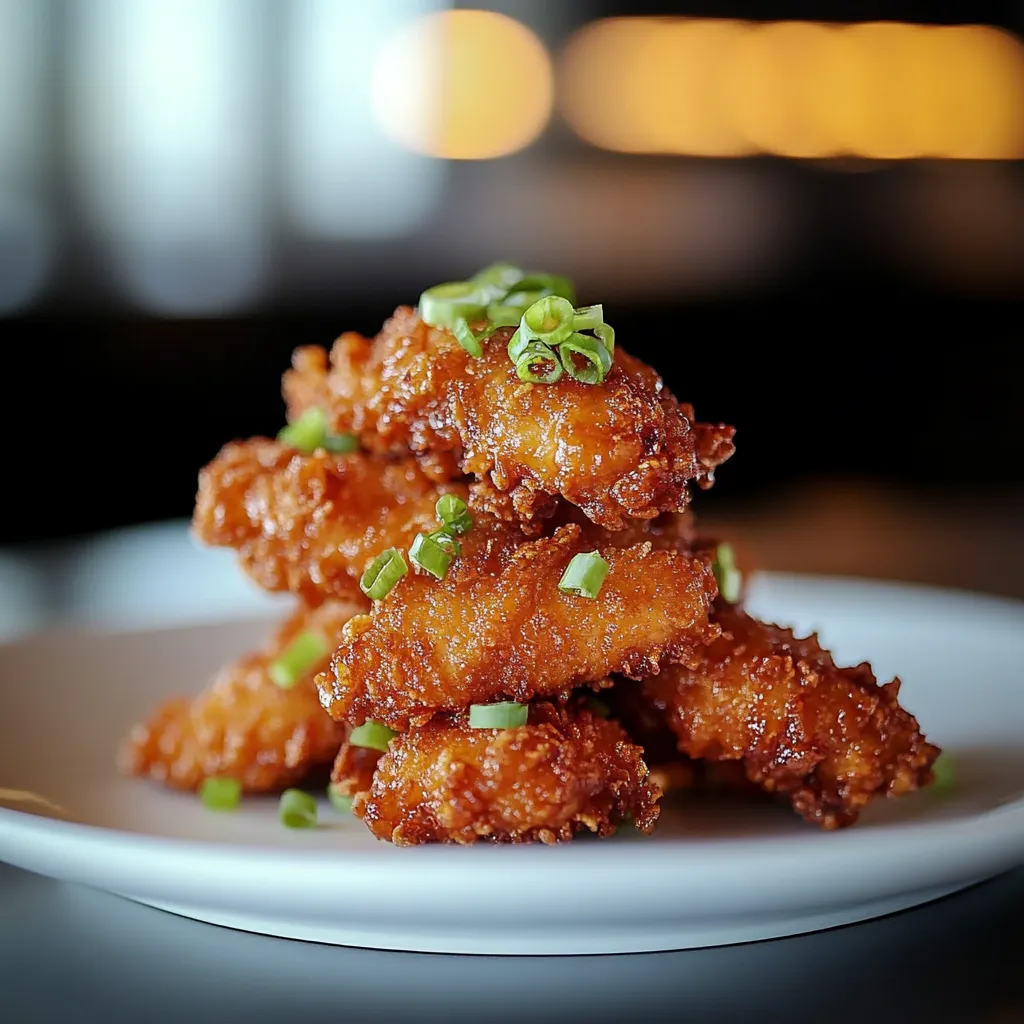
pixel 244 726
pixel 497 627
pixel 564 771
pixel 623 449
pixel 828 738
pixel 353 769
pixel 310 524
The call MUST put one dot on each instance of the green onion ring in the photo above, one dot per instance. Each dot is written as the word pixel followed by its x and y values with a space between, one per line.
pixel 296 660
pixel 505 715
pixel 727 576
pixel 538 364
pixel 545 284
pixel 548 320
pixel 942 774
pixel 297 809
pixel 584 575
pixel 597 360
pixel 372 735
pixel 443 304
pixel 517 345
pixel 586 318
pixel 502 315
pixel 450 508
pixel 467 338
pixel 220 794
pixel 497 279
pixel 607 335
pixel 430 555
pixel 382 574
pixel 305 434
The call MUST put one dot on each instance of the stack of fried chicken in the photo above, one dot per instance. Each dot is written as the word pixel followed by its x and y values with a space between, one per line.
pixel 508 628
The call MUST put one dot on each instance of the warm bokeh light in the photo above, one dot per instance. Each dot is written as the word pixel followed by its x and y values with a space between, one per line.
pixel 719 87
pixel 463 85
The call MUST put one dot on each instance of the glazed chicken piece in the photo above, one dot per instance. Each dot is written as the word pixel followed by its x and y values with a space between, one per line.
pixel 828 738
pixel 245 726
pixel 497 627
pixel 564 771
pixel 310 524
pixel 625 448
pixel 353 769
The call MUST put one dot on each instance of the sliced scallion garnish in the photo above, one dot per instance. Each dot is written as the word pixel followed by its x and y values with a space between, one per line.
pixel 305 434
pixel 548 320
pixel 942 774
pixel 443 304
pixel 497 279
pixel 585 359
pixel 538 364
pixel 506 715
pixel 501 315
pixel 468 338
pixel 309 432
pixel 382 574
pixel 339 801
pixel 727 576
pixel 587 318
pixel 296 660
pixel 372 735
pixel 432 554
pixel 220 794
pixel 584 575
pixel 297 809
pixel 453 513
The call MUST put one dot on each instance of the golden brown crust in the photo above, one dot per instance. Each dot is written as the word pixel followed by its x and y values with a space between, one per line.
pixel 563 772
pixel 243 725
pixel 310 524
pixel 829 738
pixel 353 769
pixel 497 627
pixel 623 449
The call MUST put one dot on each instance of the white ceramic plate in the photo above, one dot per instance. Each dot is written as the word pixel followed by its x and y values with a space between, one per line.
pixel 710 875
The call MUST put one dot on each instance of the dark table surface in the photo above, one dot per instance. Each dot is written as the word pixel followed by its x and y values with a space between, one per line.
pixel 73 954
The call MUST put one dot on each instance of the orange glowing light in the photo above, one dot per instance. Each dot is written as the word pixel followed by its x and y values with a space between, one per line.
pixel 715 87
pixel 463 85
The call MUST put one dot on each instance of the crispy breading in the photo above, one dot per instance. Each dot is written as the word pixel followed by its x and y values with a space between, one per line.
pixel 563 772
pixel 498 627
pixel 310 524
pixel 244 726
pixel 353 769
pixel 625 448
pixel 828 738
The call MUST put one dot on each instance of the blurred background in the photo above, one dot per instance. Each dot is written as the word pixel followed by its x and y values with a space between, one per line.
pixel 814 228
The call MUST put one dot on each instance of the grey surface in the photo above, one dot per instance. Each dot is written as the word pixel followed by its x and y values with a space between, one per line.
pixel 72 954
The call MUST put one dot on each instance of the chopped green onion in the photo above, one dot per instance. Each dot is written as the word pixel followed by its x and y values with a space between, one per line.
pixel 942 774
pixel 340 801
pixel 382 574
pixel 467 338
pixel 443 304
pixel 517 345
pixel 548 320
pixel 541 285
pixel 606 333
pixel 598 707
pixel 538 364
pixel 498 278
pixel 305 434
pixel 727 576
pixel 220 794
pixel 506 715
pixel 296 660
pixel 372 735
pixel 501 315
pixel 584 575
pixel 341 444
pixel 586 318
pixel 297 809
pixel 309 432
pixel 428 552
pixel 585 358
pixel 454 513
